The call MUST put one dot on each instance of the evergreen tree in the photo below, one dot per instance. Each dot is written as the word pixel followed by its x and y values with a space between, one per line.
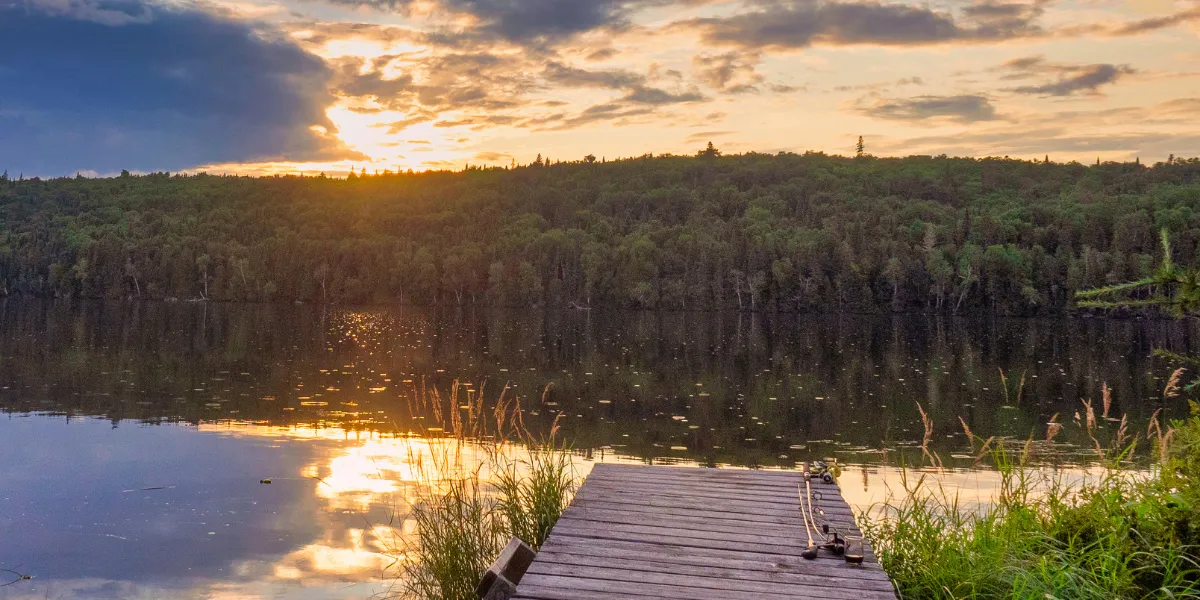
pixel 860 149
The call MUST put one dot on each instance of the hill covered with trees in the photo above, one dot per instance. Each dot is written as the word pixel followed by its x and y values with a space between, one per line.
pixel 782 232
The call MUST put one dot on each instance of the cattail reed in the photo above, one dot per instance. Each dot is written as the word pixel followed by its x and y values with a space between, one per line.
pixel 1053 428
pixel 1172 389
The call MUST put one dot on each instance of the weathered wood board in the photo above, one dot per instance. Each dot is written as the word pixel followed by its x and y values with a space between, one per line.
pixel 697 534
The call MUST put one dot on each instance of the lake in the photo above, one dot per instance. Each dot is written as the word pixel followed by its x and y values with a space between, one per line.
pixel 134 436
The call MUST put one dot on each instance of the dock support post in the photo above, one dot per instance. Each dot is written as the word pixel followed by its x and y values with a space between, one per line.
pixel 500 580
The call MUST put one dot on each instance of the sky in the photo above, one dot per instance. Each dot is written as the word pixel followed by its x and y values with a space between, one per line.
pixel 305 86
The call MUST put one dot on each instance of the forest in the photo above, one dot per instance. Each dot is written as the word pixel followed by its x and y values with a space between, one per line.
pixel 754 232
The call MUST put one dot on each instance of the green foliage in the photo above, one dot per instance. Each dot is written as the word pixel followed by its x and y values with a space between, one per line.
pixel 531 502
pixel 474 494
pixel 1171 287
pixel 460 533
pixel 781 232
pixel 1118 535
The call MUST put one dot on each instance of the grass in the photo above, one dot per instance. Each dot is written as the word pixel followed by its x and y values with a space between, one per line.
pixel 484 481
pixel 1116 534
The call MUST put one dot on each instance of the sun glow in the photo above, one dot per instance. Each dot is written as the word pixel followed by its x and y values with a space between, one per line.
pixel 417 146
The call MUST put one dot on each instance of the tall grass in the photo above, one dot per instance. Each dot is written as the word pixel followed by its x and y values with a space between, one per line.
pixel 531 502
pixel 482 479
pixel 1113 534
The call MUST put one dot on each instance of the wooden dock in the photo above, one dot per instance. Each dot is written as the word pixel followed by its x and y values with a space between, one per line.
pixel 696 534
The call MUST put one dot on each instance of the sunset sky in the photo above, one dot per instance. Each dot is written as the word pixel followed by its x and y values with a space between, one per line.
pixel 267 86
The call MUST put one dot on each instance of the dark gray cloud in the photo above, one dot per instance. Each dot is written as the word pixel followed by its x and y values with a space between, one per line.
pixel 802 23
pixel 127 84
pixel 532 21
pixel 1064 79
pixel 1087 80
pixel 964 108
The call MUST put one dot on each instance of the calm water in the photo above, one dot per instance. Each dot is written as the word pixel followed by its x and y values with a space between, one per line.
pixel 101 401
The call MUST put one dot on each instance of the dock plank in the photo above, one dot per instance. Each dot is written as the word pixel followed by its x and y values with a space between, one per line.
pixel 706 534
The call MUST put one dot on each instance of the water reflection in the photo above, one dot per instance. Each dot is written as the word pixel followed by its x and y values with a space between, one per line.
pixel 102 402
pixel 168 511
pixel 714 388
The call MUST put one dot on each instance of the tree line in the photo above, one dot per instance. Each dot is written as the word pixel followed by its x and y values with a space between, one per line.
pixel 755 232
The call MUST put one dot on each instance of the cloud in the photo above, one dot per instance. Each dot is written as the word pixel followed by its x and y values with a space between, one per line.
pixel 417 117
pixel 351 82
pixel 1067 79
pixel 1187 106
pixel 480 122
pixel 567 76
pixel 1088 80
pixel 476 84
pixel 962 109
pixel 881 85
pixel 641 101
pixel 1138 27
pixel 114 14
pixel 720 71
pixel 160 88
pixel 317 33
pixel 795 24
pixel 493 157
pixel 648 95
pixel 791 24
pixel 530 21
pixel 706 135
pixel 617 112
pixel 602 54
pixel 1022 141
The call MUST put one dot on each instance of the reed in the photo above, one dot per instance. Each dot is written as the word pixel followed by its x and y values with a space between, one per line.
pixel 1114 535
pixel 482 479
